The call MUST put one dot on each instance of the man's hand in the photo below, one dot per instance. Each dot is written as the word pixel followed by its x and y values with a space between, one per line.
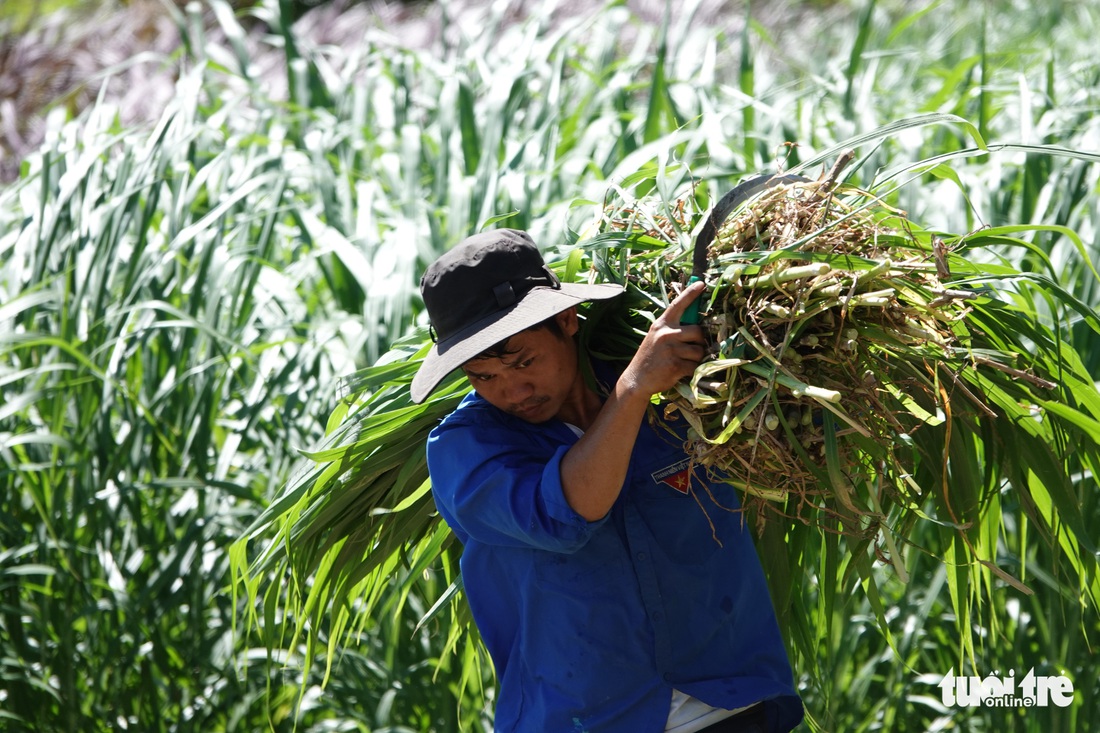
pixel 669 352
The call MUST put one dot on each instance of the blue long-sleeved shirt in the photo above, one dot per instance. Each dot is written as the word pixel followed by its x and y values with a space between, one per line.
pixel 591 624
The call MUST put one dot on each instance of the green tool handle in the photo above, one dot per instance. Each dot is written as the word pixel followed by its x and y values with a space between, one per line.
pixel 691 314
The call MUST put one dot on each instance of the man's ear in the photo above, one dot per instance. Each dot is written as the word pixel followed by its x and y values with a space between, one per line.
pixel 568 322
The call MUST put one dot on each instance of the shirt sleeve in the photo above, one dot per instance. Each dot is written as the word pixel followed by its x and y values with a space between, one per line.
pixel 501 491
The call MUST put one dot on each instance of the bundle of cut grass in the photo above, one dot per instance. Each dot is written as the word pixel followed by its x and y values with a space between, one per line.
pixel 859 364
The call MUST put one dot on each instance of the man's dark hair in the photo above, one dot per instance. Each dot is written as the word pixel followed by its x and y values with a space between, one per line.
pixel 500 349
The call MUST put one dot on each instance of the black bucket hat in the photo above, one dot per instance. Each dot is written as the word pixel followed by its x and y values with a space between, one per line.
pixel 486 289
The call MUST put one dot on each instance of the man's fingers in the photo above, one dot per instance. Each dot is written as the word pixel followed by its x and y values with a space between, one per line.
pixel 696 350
pixel 689 359
pixel 693 335
pixel 672 351
pixel 677 307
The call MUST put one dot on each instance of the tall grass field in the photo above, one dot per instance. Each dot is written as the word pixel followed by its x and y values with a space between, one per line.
pixel 214 512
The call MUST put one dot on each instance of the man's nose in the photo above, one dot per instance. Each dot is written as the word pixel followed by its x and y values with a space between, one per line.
pixel 518 389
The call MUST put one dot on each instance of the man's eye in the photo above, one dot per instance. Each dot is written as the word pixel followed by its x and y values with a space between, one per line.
pixel 525 364
pixel 481 377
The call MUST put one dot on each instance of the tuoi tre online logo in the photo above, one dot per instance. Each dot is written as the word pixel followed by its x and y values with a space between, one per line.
pixel 1031 691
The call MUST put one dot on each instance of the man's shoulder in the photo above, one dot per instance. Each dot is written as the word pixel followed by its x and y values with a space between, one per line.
pixel 476 433
pixel 473 410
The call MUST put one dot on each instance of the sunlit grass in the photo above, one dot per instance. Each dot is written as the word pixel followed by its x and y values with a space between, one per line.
pixel 180 304
pixel 20 12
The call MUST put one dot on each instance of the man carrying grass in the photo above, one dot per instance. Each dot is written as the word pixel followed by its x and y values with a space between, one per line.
pixel 614 588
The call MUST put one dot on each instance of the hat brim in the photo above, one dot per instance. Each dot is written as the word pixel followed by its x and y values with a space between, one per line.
pixel 533 308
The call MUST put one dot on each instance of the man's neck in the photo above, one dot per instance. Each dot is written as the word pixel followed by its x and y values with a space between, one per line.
pixel 584 403
pixel 581 408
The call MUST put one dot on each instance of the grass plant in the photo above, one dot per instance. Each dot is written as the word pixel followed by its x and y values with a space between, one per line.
pixel 187 306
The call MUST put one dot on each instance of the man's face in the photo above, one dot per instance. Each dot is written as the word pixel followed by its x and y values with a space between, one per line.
pixel 536 378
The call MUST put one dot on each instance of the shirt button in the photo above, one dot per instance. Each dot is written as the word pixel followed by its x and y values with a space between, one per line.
pixel 642 556
pixel 657 616
pixel 667 676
